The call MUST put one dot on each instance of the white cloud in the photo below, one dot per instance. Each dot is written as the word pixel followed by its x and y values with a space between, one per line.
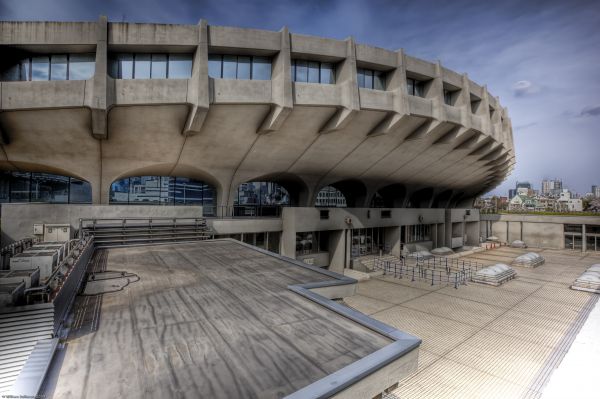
pixel 524 88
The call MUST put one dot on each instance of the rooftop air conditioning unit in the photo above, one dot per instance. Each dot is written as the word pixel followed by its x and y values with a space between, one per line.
pixel 57 232
pixel 46 261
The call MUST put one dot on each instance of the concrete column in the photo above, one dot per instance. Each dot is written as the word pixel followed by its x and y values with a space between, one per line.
pixel 198 96
pixel 281 87
pixel 397 85
pixel 99 101
pixel 336 250
pixel 583 239
pixel 392 239
pixel 347 82
pixel 435 92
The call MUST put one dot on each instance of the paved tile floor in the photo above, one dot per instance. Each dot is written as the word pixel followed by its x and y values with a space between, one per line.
pixel 481 341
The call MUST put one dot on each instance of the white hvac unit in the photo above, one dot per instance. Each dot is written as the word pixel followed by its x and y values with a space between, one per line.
pixel 57 232
pixel 60 247
pixel 46 261
pixel 11 293
pixel 31 278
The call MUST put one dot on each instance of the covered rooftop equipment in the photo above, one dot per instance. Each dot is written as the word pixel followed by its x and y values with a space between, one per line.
pixel 494 275
pixel 530 259
pixel 589 280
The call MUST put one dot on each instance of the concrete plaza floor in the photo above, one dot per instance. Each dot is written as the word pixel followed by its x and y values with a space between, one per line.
pixel 205 320
pixel 481 341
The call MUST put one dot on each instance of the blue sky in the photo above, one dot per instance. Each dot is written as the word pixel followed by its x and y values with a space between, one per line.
pixel 542 58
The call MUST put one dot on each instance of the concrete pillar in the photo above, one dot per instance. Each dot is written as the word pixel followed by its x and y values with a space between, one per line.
pixel 99 100
pixel 198 96
pixel 337 250
pixel 349 95
pixel 281 87
pixel 392 239
pixel 583 239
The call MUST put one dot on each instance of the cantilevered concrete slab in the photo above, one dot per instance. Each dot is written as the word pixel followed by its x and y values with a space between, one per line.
pixel 217 319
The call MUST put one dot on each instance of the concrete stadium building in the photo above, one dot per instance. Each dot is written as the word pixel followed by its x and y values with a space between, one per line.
pixel 123 113
pixel 293 158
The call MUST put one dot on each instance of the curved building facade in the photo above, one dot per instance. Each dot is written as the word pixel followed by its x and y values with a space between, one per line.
pixel 102 102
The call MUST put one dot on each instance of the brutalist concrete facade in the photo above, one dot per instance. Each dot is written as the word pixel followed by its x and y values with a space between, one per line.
pixel 422 151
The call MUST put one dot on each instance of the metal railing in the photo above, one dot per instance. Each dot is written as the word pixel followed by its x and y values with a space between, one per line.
pixel 242 211
pixel 436 270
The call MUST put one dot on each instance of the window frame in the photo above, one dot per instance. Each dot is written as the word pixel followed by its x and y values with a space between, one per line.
pixel 294 71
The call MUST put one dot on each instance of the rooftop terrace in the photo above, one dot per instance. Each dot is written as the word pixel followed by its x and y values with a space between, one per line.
pixel 481 341
pixel 212 319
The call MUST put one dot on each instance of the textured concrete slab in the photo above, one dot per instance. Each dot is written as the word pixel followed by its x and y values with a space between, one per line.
pixel 494 342
pixel 211 319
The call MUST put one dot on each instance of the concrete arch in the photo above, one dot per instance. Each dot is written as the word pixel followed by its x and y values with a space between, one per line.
pixel 295 186
pixel 165 169
pixel 455 200
pixel 353 190
pixel 442 199
pixel 390 196
pixel 39 168
pixel 421 198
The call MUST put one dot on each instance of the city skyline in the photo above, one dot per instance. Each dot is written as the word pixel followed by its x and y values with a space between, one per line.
pixel 535 56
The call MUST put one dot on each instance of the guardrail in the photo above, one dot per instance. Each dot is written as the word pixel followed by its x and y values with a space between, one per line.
pixel 436 270
pixel 242 211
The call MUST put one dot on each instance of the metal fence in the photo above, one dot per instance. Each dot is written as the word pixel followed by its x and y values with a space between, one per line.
pixel 242 211
pixel 436 270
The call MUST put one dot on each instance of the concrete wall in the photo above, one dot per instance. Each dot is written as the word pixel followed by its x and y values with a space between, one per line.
pixel 536 230
pixel 18 219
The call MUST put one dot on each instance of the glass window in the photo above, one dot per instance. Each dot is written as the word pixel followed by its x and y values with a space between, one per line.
pixel 81 66
pixel 293 68
pixel 327 73
pixel 49 188
pixel 142 66
pixel 159 66
pixel 12 74
pixel 25 71
pixel 261 68
pixel 301 71
pixel 180 66
pixel 447 97
pixel 40 68
pixel 379 80
pixel 368 78
pixel 243 67
pixel 214 66
pixel 229 67
pixel 119 191
pixel 19 186
pixel 260 240
pixel 313 72
pixel 410 85
pixel 125 63
pixel 58 67
pixel 5 186
pixel 419 89
pixel 360 73
pixel 80 192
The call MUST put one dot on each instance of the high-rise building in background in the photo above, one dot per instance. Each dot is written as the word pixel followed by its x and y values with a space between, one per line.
pixel 552 187
pixel 525 186
pixel 596 191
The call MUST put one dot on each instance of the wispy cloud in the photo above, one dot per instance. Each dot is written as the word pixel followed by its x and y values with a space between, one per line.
pixel 524 88
pixel 591 111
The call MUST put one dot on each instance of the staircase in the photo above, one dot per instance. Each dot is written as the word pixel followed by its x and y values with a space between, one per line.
pixel 139 231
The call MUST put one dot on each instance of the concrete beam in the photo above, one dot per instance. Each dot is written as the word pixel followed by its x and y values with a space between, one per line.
pixel 281 87
pixel 198 84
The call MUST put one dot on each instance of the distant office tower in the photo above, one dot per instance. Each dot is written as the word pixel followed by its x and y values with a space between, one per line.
pixel 525 186
pixel 596 191
pixel 551 187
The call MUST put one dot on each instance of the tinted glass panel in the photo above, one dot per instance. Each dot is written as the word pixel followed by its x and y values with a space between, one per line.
pixel 49 188
pixel 313 72
pixel 243 67
pixel 368 78
pixel 142 66
pixel 12 74
pixel 4 187
pixel 229 67
pixel 293 67
pixel 24 67
pixel 410 85
pixel 301 71
pixel 214 66
pixel 40 68
pixel 58 69
pixel 159 66
pixel 80 192
pixel 261 68
pixel 119 191
pixel 81 66
pixel 419 89
pixel 19 187
pixel 327 73
pixel 180 66
pixel 379 80
pixel 360 73
pixel 125 66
